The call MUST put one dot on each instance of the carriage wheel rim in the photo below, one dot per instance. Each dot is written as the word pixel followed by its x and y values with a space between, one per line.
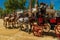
pixel 47 28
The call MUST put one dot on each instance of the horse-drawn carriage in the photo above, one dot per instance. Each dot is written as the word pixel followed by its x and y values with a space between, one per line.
pixel 46 20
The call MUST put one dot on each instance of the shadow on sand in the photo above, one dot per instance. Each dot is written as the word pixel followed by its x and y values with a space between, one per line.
pixel 49 34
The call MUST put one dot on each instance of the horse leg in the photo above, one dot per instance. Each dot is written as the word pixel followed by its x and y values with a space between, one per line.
pixel 10 24
pixel 16 24
pixel 13 24
pixel 29 28
pixel 5 24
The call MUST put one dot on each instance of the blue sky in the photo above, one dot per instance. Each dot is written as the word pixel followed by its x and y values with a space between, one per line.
pixel 55 2
pixel 2 3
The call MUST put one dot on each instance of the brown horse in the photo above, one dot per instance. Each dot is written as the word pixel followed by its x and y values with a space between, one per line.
pixel 6 20
pixel 13 20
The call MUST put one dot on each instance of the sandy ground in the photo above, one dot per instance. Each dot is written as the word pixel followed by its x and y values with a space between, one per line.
pixel 16 34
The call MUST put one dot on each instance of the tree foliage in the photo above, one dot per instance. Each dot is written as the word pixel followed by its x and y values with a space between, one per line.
pixel 51 6
pixel 1 10
pixel 15 4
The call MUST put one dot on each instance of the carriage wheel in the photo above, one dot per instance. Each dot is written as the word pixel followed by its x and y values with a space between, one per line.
pixel 46 27
pixel 35 33
pixel 57 29
pixel 39 33
pixel 23 27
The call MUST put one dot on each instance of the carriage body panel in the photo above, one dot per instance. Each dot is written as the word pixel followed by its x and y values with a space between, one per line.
pixel 58 20
pixel 52 20
pixel 40 20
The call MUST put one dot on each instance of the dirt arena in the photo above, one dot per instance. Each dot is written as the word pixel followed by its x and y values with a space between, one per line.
pixel 16 34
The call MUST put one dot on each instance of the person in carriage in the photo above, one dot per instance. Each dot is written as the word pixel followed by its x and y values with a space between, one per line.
pixel 41 14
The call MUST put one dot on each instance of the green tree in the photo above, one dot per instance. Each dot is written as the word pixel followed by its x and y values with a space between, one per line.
pixel 1 12
pixel 33 3
pixel 15 4
pixel 51 5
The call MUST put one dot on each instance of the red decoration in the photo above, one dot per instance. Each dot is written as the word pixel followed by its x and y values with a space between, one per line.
pixel 52 20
